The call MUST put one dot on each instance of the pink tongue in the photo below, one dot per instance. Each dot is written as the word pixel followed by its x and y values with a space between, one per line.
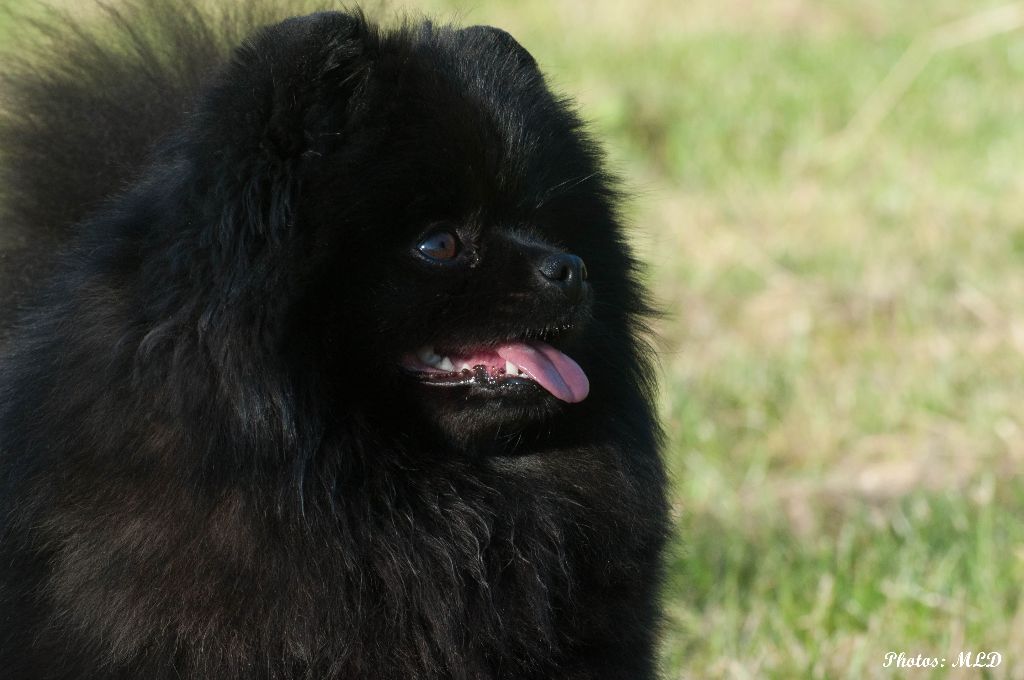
pixel 554 371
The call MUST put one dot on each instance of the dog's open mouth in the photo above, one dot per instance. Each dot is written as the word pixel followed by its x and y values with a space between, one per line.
pixel 508 364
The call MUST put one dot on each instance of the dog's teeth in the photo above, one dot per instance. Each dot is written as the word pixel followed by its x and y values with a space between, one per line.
pixel 510 368
pixel 465 366
pixel 446 364
pixel 427 356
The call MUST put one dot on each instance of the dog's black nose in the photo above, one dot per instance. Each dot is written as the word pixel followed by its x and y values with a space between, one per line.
pixel 567 272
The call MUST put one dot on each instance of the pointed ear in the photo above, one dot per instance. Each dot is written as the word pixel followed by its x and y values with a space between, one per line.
pixel 484 40
pixel 262 114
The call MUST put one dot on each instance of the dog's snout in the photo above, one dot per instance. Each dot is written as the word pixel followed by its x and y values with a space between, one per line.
pixel 567 272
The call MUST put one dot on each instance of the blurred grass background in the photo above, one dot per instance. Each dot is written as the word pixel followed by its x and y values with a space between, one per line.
pixel 842 260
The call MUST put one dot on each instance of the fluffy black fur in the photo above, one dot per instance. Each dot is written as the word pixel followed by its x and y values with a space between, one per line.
pixel 212 464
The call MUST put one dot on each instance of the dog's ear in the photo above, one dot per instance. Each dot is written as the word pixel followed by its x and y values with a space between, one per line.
pixel 261 117
pixel 488 39
pixel 243 154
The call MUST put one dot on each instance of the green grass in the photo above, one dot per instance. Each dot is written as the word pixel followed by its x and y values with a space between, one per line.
pixel 844 355
pixel 922 577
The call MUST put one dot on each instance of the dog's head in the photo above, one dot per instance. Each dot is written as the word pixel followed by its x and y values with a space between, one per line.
pixel 440 226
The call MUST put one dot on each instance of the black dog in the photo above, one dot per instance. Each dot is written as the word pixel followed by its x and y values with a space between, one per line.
pixel 341 373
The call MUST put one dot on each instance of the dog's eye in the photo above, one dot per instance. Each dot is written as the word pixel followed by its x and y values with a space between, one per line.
pixel 441 246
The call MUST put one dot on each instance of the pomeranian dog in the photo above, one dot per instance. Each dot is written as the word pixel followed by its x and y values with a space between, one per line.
pixel 324 358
